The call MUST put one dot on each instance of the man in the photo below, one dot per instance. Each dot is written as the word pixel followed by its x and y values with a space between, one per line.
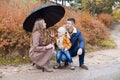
pixel 78 43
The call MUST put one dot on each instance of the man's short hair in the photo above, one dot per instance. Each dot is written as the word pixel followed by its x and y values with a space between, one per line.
pixel 71 19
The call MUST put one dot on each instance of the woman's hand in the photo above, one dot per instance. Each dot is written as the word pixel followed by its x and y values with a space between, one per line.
pixel 49 46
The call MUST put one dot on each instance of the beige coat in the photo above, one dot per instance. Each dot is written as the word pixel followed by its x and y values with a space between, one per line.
pixel 38 54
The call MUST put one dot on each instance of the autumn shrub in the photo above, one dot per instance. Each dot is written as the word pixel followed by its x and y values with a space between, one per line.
pixel 106 19
pixel 94 30
pixel 12 35
pixel 14 41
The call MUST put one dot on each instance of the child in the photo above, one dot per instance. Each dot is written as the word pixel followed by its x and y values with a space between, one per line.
pixel 63 43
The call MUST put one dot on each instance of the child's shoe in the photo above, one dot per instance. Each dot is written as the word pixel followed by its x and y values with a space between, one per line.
pixel 57 66
pixel 71 66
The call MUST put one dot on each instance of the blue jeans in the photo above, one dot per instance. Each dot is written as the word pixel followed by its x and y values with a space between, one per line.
pixel 66 54
pixel 73 52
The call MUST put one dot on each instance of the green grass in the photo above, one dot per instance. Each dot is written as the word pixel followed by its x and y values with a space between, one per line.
pixel 101 44
pixel 110 44
pixel 14 60
pixel 91 48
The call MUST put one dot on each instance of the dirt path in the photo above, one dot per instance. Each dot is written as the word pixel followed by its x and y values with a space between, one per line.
pixel 103 65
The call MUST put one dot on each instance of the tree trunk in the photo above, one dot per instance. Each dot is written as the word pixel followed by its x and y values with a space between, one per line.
pixel 94 7
pixel 44 1
pixel 56 1
pixel 63 2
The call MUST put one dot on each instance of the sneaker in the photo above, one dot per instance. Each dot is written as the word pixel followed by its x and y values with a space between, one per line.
pixel 72 66
pixel 84 67
pixel 57 66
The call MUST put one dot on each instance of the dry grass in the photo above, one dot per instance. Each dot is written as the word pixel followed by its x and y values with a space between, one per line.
pixel 106 19
pixel 14 12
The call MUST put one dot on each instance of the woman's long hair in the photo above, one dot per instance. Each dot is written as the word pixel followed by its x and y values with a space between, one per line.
pixel 38 27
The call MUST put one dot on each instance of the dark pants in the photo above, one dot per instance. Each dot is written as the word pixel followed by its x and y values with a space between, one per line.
pixel 73 52
pixel 66 54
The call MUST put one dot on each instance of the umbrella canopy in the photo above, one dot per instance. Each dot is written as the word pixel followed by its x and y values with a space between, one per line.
pixel 51 13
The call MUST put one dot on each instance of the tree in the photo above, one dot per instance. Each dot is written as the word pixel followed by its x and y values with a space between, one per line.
pixel 44 1
pixel 116 12
pixel 98 6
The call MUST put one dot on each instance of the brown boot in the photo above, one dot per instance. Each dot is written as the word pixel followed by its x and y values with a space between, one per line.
pixel 38 67
pixel 46 69
pixel 0 74
pixel 84 67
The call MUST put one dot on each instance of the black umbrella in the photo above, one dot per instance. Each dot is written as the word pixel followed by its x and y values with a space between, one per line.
pixel 51 13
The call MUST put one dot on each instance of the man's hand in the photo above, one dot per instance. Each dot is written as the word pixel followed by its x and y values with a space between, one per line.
pixel 79 51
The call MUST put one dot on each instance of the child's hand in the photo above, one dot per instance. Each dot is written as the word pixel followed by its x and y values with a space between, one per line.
pixel 52 34
pixel 65 49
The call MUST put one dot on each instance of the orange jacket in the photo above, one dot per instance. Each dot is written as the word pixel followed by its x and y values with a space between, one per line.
pixel 66 42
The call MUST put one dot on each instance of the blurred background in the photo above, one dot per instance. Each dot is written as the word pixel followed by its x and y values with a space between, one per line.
pixel 94 18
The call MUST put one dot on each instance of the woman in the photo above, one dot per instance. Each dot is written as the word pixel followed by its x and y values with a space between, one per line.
pixel 41 48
